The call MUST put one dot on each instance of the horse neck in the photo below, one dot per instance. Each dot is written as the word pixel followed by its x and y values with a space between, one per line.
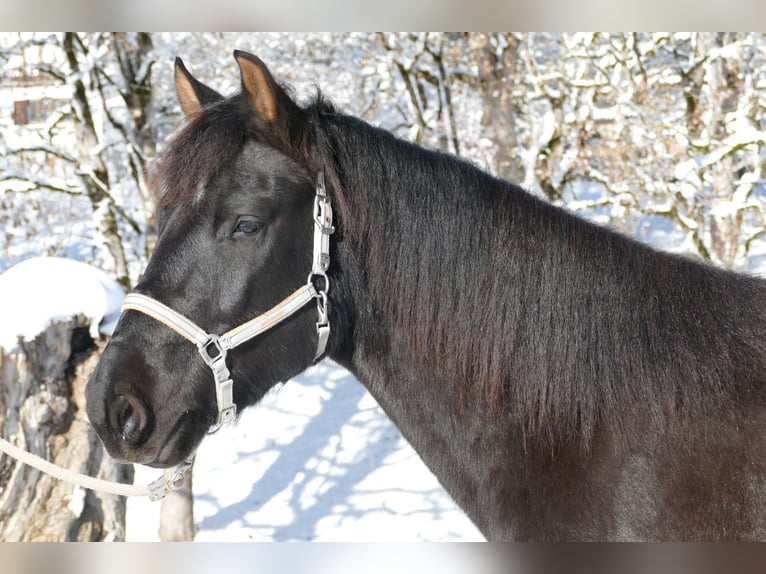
pixel 501 334
pixel 519 305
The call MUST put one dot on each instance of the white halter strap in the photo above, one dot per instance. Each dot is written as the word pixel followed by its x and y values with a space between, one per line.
pixel 213 348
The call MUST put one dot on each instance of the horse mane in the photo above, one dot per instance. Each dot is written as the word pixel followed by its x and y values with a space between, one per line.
pixel 530 311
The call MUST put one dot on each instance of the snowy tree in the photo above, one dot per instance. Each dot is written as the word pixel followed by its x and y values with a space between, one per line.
pixel 80 109
pixel 92 146
pixel 631 129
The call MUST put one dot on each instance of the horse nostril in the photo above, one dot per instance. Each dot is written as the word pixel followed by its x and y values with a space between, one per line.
pixel 129 419
pixel 128 422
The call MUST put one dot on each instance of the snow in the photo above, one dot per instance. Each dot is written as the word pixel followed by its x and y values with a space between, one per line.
pixel 689 182
pixel 316 460
pixel 39 290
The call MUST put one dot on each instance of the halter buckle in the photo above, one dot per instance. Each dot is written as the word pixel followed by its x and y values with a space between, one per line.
pixel 323 227
pixel 218 354
pixel 323 322
pixel 227 415
pixel 214 355
pixel 170 481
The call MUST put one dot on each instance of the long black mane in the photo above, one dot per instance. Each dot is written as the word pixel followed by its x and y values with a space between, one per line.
pixel 539 313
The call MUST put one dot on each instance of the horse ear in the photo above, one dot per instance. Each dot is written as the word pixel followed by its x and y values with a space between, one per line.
pixel 192 94
pixel 265 96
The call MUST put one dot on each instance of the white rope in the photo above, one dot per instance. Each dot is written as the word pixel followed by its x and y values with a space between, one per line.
pixel 107 486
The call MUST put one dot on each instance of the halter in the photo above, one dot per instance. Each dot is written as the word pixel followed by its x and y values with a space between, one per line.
pixel 214 348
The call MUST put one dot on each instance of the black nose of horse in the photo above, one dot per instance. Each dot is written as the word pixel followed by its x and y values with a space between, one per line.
pixel 129 418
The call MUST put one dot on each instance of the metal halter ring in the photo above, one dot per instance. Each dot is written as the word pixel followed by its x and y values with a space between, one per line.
pixel 312 280
pixel 211 343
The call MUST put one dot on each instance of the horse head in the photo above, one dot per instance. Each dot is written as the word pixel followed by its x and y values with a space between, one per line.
pixel 238 202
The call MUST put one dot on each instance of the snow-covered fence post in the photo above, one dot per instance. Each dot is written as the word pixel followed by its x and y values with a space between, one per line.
pixel 42 409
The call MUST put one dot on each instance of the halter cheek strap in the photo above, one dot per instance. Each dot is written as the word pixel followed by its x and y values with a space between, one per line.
pixel 213 348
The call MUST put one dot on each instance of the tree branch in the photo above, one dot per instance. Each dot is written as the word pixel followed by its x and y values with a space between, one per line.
pixel 37 184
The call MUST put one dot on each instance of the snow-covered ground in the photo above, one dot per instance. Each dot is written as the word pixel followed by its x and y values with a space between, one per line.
pixel 317 459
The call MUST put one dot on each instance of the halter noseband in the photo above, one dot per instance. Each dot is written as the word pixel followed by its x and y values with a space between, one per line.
pixel 213 348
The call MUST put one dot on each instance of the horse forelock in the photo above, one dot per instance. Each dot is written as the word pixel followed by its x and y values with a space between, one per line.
pixel 213 139
pixel 207 144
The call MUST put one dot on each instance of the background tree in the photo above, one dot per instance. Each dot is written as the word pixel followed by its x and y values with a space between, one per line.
pixel 92 146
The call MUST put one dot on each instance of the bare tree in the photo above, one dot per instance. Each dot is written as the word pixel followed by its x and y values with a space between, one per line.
pixel 630 127
pixel 109 80
pixel 97 141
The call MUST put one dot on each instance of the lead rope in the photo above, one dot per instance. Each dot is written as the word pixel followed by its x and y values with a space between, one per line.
pixel 170 481
pixel 213 350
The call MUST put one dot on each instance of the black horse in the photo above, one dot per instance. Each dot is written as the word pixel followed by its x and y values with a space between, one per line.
pixel 561 380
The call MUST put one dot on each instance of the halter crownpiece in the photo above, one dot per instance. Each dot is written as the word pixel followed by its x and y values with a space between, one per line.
pixel 214 348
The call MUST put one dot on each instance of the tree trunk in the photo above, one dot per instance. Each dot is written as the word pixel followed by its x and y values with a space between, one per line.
pixel 726 86
pixel 94 174
pixel 496 77
pixel 176 513
pixel 134 55
pixel 42 409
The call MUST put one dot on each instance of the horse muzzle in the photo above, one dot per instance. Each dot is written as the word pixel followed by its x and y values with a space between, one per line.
pixel 129 426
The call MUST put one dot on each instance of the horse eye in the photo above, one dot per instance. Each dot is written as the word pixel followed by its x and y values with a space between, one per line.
pixel 246 226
